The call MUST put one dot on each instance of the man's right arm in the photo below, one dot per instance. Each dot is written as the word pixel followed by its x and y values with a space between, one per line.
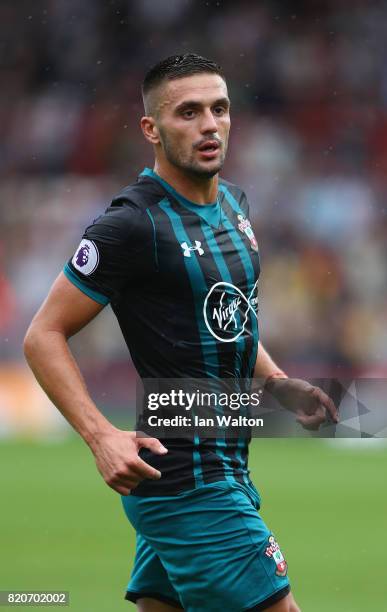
pixel 65 311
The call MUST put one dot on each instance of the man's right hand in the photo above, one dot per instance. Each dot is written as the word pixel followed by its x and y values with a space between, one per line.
pixel 116 456
pixel 66 311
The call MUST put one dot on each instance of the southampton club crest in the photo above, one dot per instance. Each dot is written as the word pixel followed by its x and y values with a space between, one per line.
pixel 273 551
pixel 244 226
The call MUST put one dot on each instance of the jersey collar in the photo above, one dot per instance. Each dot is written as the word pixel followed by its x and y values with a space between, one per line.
pixel 211 213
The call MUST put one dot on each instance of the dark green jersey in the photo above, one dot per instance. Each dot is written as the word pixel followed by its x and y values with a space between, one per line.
pixel 182 281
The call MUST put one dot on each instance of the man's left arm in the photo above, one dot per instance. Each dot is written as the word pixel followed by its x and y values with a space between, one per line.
pixel 311 405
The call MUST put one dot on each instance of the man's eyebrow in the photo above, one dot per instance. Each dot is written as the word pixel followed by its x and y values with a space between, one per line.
pixel 196 104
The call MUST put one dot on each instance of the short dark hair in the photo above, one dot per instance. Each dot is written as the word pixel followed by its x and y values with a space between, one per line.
pixel 177 67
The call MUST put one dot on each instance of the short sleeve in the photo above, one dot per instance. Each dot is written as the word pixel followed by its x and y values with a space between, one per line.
pixel 115 251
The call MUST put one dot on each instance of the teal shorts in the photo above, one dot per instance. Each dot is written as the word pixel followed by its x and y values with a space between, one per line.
pixel 206 550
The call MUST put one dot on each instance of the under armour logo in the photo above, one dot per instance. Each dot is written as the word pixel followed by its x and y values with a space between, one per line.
pixel 187 249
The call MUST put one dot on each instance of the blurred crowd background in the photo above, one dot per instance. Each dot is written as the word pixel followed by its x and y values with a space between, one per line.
pixel 308 84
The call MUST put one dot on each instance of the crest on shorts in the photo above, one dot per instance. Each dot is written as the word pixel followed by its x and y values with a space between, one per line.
pixel 244 226
pixel 273 551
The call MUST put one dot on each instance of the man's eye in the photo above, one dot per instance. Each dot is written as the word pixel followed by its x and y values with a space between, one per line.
pixel 188 114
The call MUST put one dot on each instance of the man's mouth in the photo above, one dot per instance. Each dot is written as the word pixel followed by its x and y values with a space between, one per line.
pixel 209 149
pixel 209 146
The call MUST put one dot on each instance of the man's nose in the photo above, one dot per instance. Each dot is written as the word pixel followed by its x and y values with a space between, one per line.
pixel 208 123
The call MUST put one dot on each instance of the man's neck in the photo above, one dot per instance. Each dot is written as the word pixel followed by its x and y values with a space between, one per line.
pixel 198 190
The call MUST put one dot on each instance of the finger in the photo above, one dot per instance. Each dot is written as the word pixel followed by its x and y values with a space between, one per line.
pixel 122 490
pixel 133 472
pixel 130 483
pixel 144 470
pixel 313 421
pixel 330 407
pixel 327 402
pixel 153 444
pixel 139 470
pixel 318 413
pixel 124 481
pixel 309 426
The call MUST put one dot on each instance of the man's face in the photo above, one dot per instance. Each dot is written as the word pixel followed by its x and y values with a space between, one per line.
pixel 193 120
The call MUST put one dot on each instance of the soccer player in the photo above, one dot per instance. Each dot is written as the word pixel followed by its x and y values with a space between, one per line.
pixel 176 257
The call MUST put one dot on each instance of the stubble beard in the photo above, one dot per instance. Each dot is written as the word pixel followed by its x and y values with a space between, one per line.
pixel 188 163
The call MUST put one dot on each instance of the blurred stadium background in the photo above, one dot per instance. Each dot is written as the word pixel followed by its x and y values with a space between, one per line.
pixel 308 83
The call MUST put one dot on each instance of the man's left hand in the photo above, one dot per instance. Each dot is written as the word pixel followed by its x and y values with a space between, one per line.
pixel 311 405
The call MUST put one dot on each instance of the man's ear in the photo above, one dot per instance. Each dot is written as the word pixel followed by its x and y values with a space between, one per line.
pixel 150 130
